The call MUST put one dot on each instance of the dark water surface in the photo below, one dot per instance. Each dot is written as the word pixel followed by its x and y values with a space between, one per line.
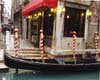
pixel 30 75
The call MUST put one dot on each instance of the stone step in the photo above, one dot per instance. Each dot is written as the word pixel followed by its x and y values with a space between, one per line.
pixel 24 52
pixel 3 68
pixel 39 57
pixel 31 49
pixel 29 55
pixel 1 61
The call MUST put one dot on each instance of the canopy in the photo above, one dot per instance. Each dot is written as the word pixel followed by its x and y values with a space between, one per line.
pixel 36 4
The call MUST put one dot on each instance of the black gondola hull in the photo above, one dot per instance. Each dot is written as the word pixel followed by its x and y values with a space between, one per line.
pixel 29 64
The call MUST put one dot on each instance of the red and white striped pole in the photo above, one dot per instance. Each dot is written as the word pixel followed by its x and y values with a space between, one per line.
pixel 96 43
pixel 16 46
pixel 41 45
pixel 74 45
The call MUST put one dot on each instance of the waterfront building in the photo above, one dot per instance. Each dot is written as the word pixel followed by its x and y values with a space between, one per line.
pixel 58 22
pixel 1 12
pixel 6 12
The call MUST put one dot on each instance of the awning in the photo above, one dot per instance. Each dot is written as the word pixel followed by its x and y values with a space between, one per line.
pixel 36 4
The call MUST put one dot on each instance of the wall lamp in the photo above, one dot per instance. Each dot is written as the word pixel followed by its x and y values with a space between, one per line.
pixel 29 17
pixel 89 14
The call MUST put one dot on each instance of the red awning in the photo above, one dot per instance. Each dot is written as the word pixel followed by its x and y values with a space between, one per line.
pixel 36 4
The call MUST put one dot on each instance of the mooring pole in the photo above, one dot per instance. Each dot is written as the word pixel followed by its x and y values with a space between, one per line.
pixel 96 43
pixel 16 70
pixel 16 46
pixel 41 45
pixel 74 46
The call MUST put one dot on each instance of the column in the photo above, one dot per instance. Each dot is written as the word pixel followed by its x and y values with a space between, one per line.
pixel 29 30
pixel 59 25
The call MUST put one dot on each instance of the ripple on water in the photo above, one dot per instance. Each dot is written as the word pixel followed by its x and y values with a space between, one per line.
pixel 29 75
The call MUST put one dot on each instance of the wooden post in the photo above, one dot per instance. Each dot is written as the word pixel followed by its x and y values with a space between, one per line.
pixel 74 45
pixel 96 43
pixel 16 70
pixel 16 42
pixel 16 45
pixel 41 45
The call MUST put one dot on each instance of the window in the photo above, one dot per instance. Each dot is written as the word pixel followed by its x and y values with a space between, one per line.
pixel 74 20
pixel 48 22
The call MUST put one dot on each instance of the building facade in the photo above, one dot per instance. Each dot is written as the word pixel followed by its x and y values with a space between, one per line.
pixel 16 14
pixel 58 24
pixel 17 18
pixel 1 12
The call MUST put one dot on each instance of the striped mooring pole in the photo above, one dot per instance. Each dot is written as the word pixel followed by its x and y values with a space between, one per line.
pixel 96 43
pixel 74 45
pixel 41 45
pixel 16 46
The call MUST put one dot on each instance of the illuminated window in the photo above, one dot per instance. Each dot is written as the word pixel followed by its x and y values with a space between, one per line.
pixel 74 20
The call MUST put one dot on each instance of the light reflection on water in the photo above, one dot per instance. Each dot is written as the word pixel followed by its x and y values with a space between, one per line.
pixel 29 75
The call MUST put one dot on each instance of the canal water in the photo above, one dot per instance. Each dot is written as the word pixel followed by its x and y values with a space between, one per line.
pixel 30 75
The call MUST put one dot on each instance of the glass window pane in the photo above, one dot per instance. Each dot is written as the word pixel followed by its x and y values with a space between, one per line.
pixel 74 21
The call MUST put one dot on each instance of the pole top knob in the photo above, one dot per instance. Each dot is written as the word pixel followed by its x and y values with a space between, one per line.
pixel 41 30
pixel 74 32
pixel 96 33
pixel 16 30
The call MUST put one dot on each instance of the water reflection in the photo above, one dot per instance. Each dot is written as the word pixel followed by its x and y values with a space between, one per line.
pixel 29 75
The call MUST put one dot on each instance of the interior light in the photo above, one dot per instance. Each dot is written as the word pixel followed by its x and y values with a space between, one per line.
pixel 90 13
pixel 35 15
pixel 29 17
pixel 82 14
pixel 67 16
pixel 39 14
pixel 52 9
pixel 63 9
pixel 49 14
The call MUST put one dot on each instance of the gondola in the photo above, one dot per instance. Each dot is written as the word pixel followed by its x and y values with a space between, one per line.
pixel 50 64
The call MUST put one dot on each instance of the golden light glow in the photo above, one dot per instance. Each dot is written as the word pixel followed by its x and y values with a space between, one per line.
pixel 89 13
pixel 29 17
pixel 35 15
pixel 39 14
pixel 63 9
pixel 49 14
pixel 53 9
pixel 82 14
